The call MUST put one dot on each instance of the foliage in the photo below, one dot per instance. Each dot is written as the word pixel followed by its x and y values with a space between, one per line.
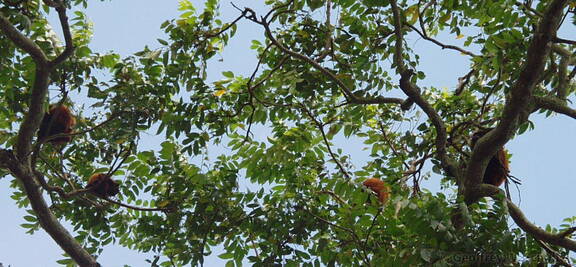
pixel 283 192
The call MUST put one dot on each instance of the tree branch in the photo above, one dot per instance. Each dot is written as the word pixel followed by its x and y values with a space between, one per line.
pixel 326 142
pixel 6 158
pixel 225 28
pixel 554 104
pixel 520 96
pixel 565 41
pixel 67 36
pixel 537 232
pixel 413 93
pixel 22 42
pixel 334 195
pixel 134 207
pixel 47 219
pixel 425 36
pixel 40 87
pixel 355 236
pixel 563 78
pixel 553 253
pixel 352 98
pixel 20 162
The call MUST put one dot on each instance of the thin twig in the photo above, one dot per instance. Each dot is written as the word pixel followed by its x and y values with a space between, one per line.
pixel 438 43
pixel 372 226
pixel 552 253
pixel 128 153
pixel 134 207
pixel 227 26
pixel 334 195
pixel 52 137
pixel 350 231
pixel 326 142
pixel 352 98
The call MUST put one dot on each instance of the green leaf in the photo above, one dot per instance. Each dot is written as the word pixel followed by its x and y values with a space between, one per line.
pixel 228 74
pixel 226 256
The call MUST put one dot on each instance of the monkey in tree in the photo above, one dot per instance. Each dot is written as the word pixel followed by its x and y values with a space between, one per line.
pixel 379 187
pixel 102 185
pixel 57 120
pixel 498 169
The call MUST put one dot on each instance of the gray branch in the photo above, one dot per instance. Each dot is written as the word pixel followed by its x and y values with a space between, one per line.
pixel 19 161
pixel 518 101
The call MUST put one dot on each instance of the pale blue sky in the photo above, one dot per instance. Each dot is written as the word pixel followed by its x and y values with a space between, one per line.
pixel 542 158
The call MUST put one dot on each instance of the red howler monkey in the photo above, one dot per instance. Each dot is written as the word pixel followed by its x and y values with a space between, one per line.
pixel 102 185
pixel 57 120
pixel 497 170
pixel 379 187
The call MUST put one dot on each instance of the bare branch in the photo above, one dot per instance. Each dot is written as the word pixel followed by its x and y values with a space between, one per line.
pixel 261 81
pixel 21 163
pixel 328 41
pixel 398 45
pixel 529 8
pixel 372 226
pixel 39 89
pixel 35 113
pixel 128 152
pixel 276 14
pixel 227 26
pixel 563 78
pixel 58 174
pixel 463 81
pixel 53 3
pixel 6 158
pixel 43 68
pixel 568 232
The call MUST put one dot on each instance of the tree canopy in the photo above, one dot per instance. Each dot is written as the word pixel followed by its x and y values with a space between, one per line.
pixel 328 71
